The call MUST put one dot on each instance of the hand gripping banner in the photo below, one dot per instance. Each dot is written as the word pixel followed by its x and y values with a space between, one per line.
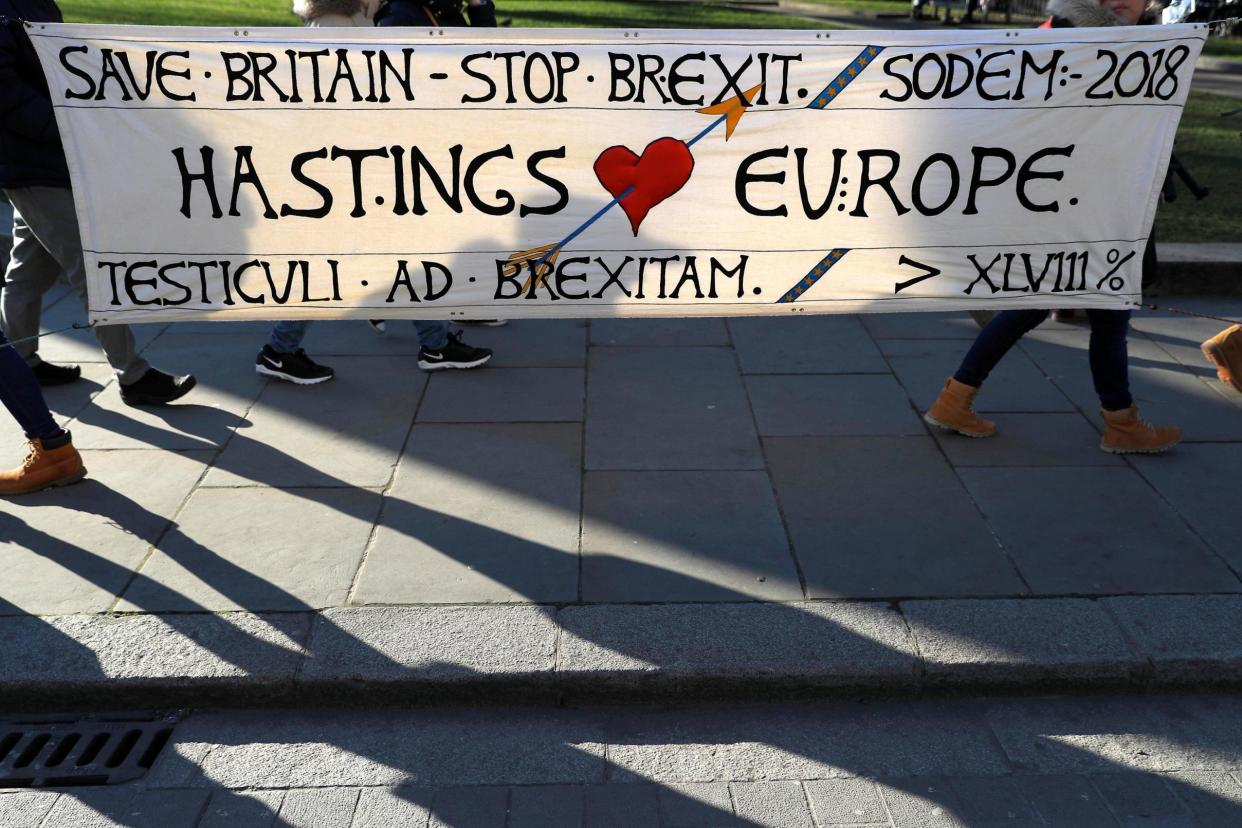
pixel 332 173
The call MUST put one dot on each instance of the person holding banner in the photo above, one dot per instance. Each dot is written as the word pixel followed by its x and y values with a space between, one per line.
pixel 283 357
pixel 52 461
pixel 35 178
pixel 1125 432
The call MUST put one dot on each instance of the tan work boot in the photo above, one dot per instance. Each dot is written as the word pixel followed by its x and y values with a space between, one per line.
pixel 1225 352
pixel 43 468
pixel 954 410
pixel 1126 433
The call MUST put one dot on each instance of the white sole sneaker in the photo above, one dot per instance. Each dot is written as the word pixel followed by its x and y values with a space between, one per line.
pixel 441 366
pixel 268 372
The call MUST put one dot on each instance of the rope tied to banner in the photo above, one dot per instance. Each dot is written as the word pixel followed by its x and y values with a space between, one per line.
pixel 76 326
pixel 1184 312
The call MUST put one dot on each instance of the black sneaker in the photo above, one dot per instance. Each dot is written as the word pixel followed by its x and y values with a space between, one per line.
pixel 486 323
pixel 48 374
pixel 296 367
pixel 157 388
pixel 378 325
pixel 454 354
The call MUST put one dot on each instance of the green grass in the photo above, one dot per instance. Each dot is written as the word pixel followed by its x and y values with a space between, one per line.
pixel 525 13
pixel 1211 149
pixel 1207 144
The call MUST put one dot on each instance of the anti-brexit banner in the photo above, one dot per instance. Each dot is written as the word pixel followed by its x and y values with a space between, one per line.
pixel 328 173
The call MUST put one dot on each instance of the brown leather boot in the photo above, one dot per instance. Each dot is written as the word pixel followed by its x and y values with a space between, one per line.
pixel 954 410
pixel 43 468
pixel 1225 352
pixel 1127 433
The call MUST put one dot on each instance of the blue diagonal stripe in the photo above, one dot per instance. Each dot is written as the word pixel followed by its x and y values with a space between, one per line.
pixel 815 274
pixel 853 70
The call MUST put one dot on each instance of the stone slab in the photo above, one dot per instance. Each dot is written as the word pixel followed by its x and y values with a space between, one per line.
pixel 74 549
pixel 686 332
pixel 1120 733
pixel 1051 523
pixel 845 801
pixel 801 741
pixel 1201 482
pixel 621 806
pixel 1047 439
pixel 1214 798
pixel 203 419
pixel 532 343
pixel 1022 643
pixel 1190 640
pixel 684 536
pixel 668 408
pixel 545 805
pixel 1017 384
pixel 319 807
pixel 1064 799
pixel 504 395
pixel 925 802
pixel 242 809
pixel 480 513
pixel 884 517
pixel 235 549
pixel 778 804
pixel 715 649
pixel 696 805
pixel 952 325
pixel 415 748
pixel 846 405
pixel 25 809
pixel 1140 799
pixel 1164 390
pixel 389 807
pixel 80 345
pixel 346 432
pixel 202 658
pixel 462 807
pixel 827 344
pixel 412 648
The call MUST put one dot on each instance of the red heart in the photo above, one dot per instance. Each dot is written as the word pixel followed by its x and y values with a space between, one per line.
pixel 663 169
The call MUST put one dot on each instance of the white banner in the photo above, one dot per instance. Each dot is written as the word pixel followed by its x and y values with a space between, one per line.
pixel 330 173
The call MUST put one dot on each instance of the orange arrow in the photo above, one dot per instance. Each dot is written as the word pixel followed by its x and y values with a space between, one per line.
pixel 732 110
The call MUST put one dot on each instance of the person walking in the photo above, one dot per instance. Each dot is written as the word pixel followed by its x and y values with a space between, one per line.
pixel 35 179
pixel 283 356
pixel 1124 431
pixel 52 460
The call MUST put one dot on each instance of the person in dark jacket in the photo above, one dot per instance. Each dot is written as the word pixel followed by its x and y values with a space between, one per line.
pixel 436 13
pixel 35 179
pixel 1124 431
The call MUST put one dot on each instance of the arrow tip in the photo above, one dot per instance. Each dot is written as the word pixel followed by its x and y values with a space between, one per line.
pixel 733 109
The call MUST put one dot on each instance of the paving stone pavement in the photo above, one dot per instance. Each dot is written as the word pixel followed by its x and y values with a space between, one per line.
pixel 1090 762
pixel 602 470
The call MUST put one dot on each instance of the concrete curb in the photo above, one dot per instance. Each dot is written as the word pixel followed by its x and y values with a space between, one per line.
pixel 367 656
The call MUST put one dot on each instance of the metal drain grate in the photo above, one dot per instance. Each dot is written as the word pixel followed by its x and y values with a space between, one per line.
pixel 56 753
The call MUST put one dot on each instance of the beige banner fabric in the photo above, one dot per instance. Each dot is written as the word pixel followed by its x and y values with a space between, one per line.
pixel 331 173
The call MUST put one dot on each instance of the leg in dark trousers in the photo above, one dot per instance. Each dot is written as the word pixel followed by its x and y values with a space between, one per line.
pixel 1110 358
pixel 994 341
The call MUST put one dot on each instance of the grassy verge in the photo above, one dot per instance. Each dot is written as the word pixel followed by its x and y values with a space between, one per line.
pixel 1207 144
pixel 551 13
pixel 1211 149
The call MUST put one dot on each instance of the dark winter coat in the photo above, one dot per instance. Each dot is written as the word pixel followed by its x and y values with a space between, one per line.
pixel 424 13
pixel 30 149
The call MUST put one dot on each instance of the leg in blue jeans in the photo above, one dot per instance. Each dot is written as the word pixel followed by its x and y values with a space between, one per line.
pixel 1110 358
pixel 994 341
pixel 287 335
pixel 1108 353
pixel 431 335
pixel 21 395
